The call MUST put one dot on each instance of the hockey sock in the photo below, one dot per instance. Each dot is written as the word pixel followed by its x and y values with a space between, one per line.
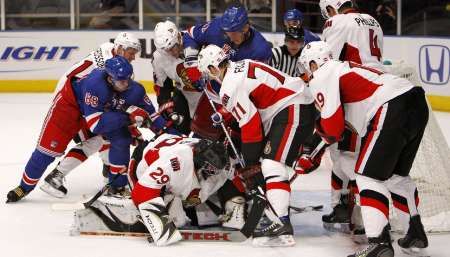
pixel 374 197
pixel 277 185
pixel 73 159
pixel 34 169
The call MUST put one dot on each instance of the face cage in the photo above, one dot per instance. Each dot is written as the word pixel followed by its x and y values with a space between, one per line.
pixel 207 170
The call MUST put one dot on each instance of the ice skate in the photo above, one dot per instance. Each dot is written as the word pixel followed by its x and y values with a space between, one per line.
pixel 275 234
pixel 54 184
pixel 378 246
pixel 415 240
pixel 16 194
pixel 339 219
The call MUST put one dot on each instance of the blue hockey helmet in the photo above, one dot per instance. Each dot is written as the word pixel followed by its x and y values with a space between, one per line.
pixel 234 19
pixel 293 15
pixel 118 68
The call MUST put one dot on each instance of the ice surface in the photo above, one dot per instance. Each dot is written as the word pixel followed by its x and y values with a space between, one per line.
pixel 30 229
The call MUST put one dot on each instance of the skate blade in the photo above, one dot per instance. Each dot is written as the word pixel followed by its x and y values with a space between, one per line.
pixel 414 251
pixel 278 241
pixel 360 239
pixel 45 187
pixel 337 227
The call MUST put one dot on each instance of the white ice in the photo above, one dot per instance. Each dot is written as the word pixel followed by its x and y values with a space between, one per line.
pixel 30 228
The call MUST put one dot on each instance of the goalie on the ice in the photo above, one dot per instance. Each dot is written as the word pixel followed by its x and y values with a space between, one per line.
pixel 191 170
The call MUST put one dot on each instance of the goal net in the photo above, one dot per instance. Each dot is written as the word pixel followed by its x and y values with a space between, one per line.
pixel 431 168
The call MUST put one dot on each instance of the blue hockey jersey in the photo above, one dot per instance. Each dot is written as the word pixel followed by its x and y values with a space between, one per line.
pixel 310 37
pixel 255 47
pixel 104 108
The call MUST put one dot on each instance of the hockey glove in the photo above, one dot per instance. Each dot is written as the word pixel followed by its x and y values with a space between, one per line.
pixel 138 116
pixel 167 109
pixel 252 177
pixel 325 137
pixel 135 134
pixel 307 163
pixel 222 115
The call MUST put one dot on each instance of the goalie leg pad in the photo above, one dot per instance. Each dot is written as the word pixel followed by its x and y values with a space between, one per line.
pixel 156 218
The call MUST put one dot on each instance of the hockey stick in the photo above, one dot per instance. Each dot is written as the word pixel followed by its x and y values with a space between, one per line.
pixel 85 204
pixel 318 148
pixel 188 235
pixel 306 208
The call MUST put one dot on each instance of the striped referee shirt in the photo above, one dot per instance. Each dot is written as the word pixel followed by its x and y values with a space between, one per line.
pixel 283 61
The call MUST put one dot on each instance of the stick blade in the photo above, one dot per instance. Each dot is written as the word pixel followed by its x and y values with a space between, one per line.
pixel 68 206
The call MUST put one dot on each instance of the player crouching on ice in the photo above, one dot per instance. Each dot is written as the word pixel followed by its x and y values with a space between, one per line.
pixel 390 115
pixel 275 114
pixel 188 168
pixel 108 103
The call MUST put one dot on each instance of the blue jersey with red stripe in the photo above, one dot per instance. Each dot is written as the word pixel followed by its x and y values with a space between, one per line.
pixel 255 47
pixel 104 108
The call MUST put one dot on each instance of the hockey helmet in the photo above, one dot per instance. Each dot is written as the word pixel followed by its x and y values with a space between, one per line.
pixel 293 15
pixel 296 33
pixel 234 19
pixel 335 4
pixel 127 40
pixel 211 55
pixel 209 157
pixel 118 68
pixel 317 51
pixel 166 35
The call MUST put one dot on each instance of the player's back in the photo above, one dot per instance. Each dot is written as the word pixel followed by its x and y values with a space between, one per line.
pixel 95 59
pixel 269 90
pixel 355 37
pixel 360 90
pixel 169 161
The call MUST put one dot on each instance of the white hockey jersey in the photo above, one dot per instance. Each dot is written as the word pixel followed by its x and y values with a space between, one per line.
pixel 351 93
pixel 96 59
pixel 169 162
pixel 166 66
pixel 355 37
pixel 255 93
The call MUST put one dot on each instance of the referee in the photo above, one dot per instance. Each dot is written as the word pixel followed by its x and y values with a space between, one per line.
pixel 284 58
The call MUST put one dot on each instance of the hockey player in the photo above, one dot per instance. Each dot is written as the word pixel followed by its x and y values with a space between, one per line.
pixel 275 115
pixel 189 168
pixel 285 57
pixel 97 102
pixel 126 45
pixel 172 86
pixel 356 37
pixel 352 36
pixel 294 18
pixel 390 115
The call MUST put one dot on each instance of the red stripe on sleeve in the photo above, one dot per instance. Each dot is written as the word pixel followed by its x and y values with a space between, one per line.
pixel 252 131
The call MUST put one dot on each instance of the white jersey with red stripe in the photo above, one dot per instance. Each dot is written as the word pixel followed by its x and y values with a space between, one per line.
pixel 166 66
pixel 351 93
pixel 169 162
pixel 255 93
pixel 95 59
pixel 355 37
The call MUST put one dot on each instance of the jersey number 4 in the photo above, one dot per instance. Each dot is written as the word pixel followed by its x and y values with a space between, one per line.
pixel 374 49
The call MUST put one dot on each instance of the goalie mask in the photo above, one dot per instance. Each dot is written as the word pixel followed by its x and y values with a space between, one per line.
pixel 209 157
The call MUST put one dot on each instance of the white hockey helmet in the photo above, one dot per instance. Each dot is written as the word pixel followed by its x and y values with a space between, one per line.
pixel 317 51
pixel 166 35
pixel 127 40
pixel 211 55
pixel 335 4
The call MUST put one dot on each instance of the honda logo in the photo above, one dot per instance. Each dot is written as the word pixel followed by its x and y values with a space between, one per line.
pixel 434 64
